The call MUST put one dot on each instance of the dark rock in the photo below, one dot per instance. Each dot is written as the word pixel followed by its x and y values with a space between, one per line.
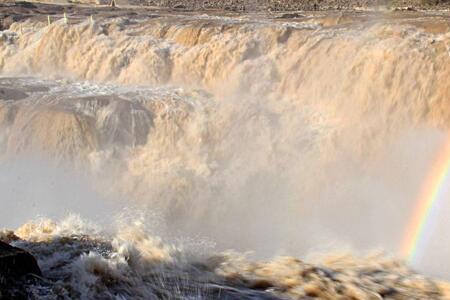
pixel 15 263
pixel 18 270
pixel 6 21
pixel 291 16
pixel 25 4
pixel 12 94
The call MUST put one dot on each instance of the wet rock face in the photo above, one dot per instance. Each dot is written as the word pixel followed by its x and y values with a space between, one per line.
pixel 15 263
pixel 12 94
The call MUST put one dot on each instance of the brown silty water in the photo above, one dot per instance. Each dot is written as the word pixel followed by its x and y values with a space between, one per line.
pixel 284 135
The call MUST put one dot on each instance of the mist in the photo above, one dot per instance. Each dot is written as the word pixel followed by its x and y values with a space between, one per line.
pixel 33 187
pixel 341 206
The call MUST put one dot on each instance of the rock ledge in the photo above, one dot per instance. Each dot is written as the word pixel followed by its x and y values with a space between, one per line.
pixel 15 263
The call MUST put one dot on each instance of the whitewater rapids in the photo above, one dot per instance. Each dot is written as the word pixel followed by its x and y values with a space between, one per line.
pixel 179 137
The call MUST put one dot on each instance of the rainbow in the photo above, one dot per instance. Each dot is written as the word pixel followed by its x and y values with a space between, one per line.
pixel 427 206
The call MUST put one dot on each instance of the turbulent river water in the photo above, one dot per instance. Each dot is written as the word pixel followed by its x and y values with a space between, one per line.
pixel 194 156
